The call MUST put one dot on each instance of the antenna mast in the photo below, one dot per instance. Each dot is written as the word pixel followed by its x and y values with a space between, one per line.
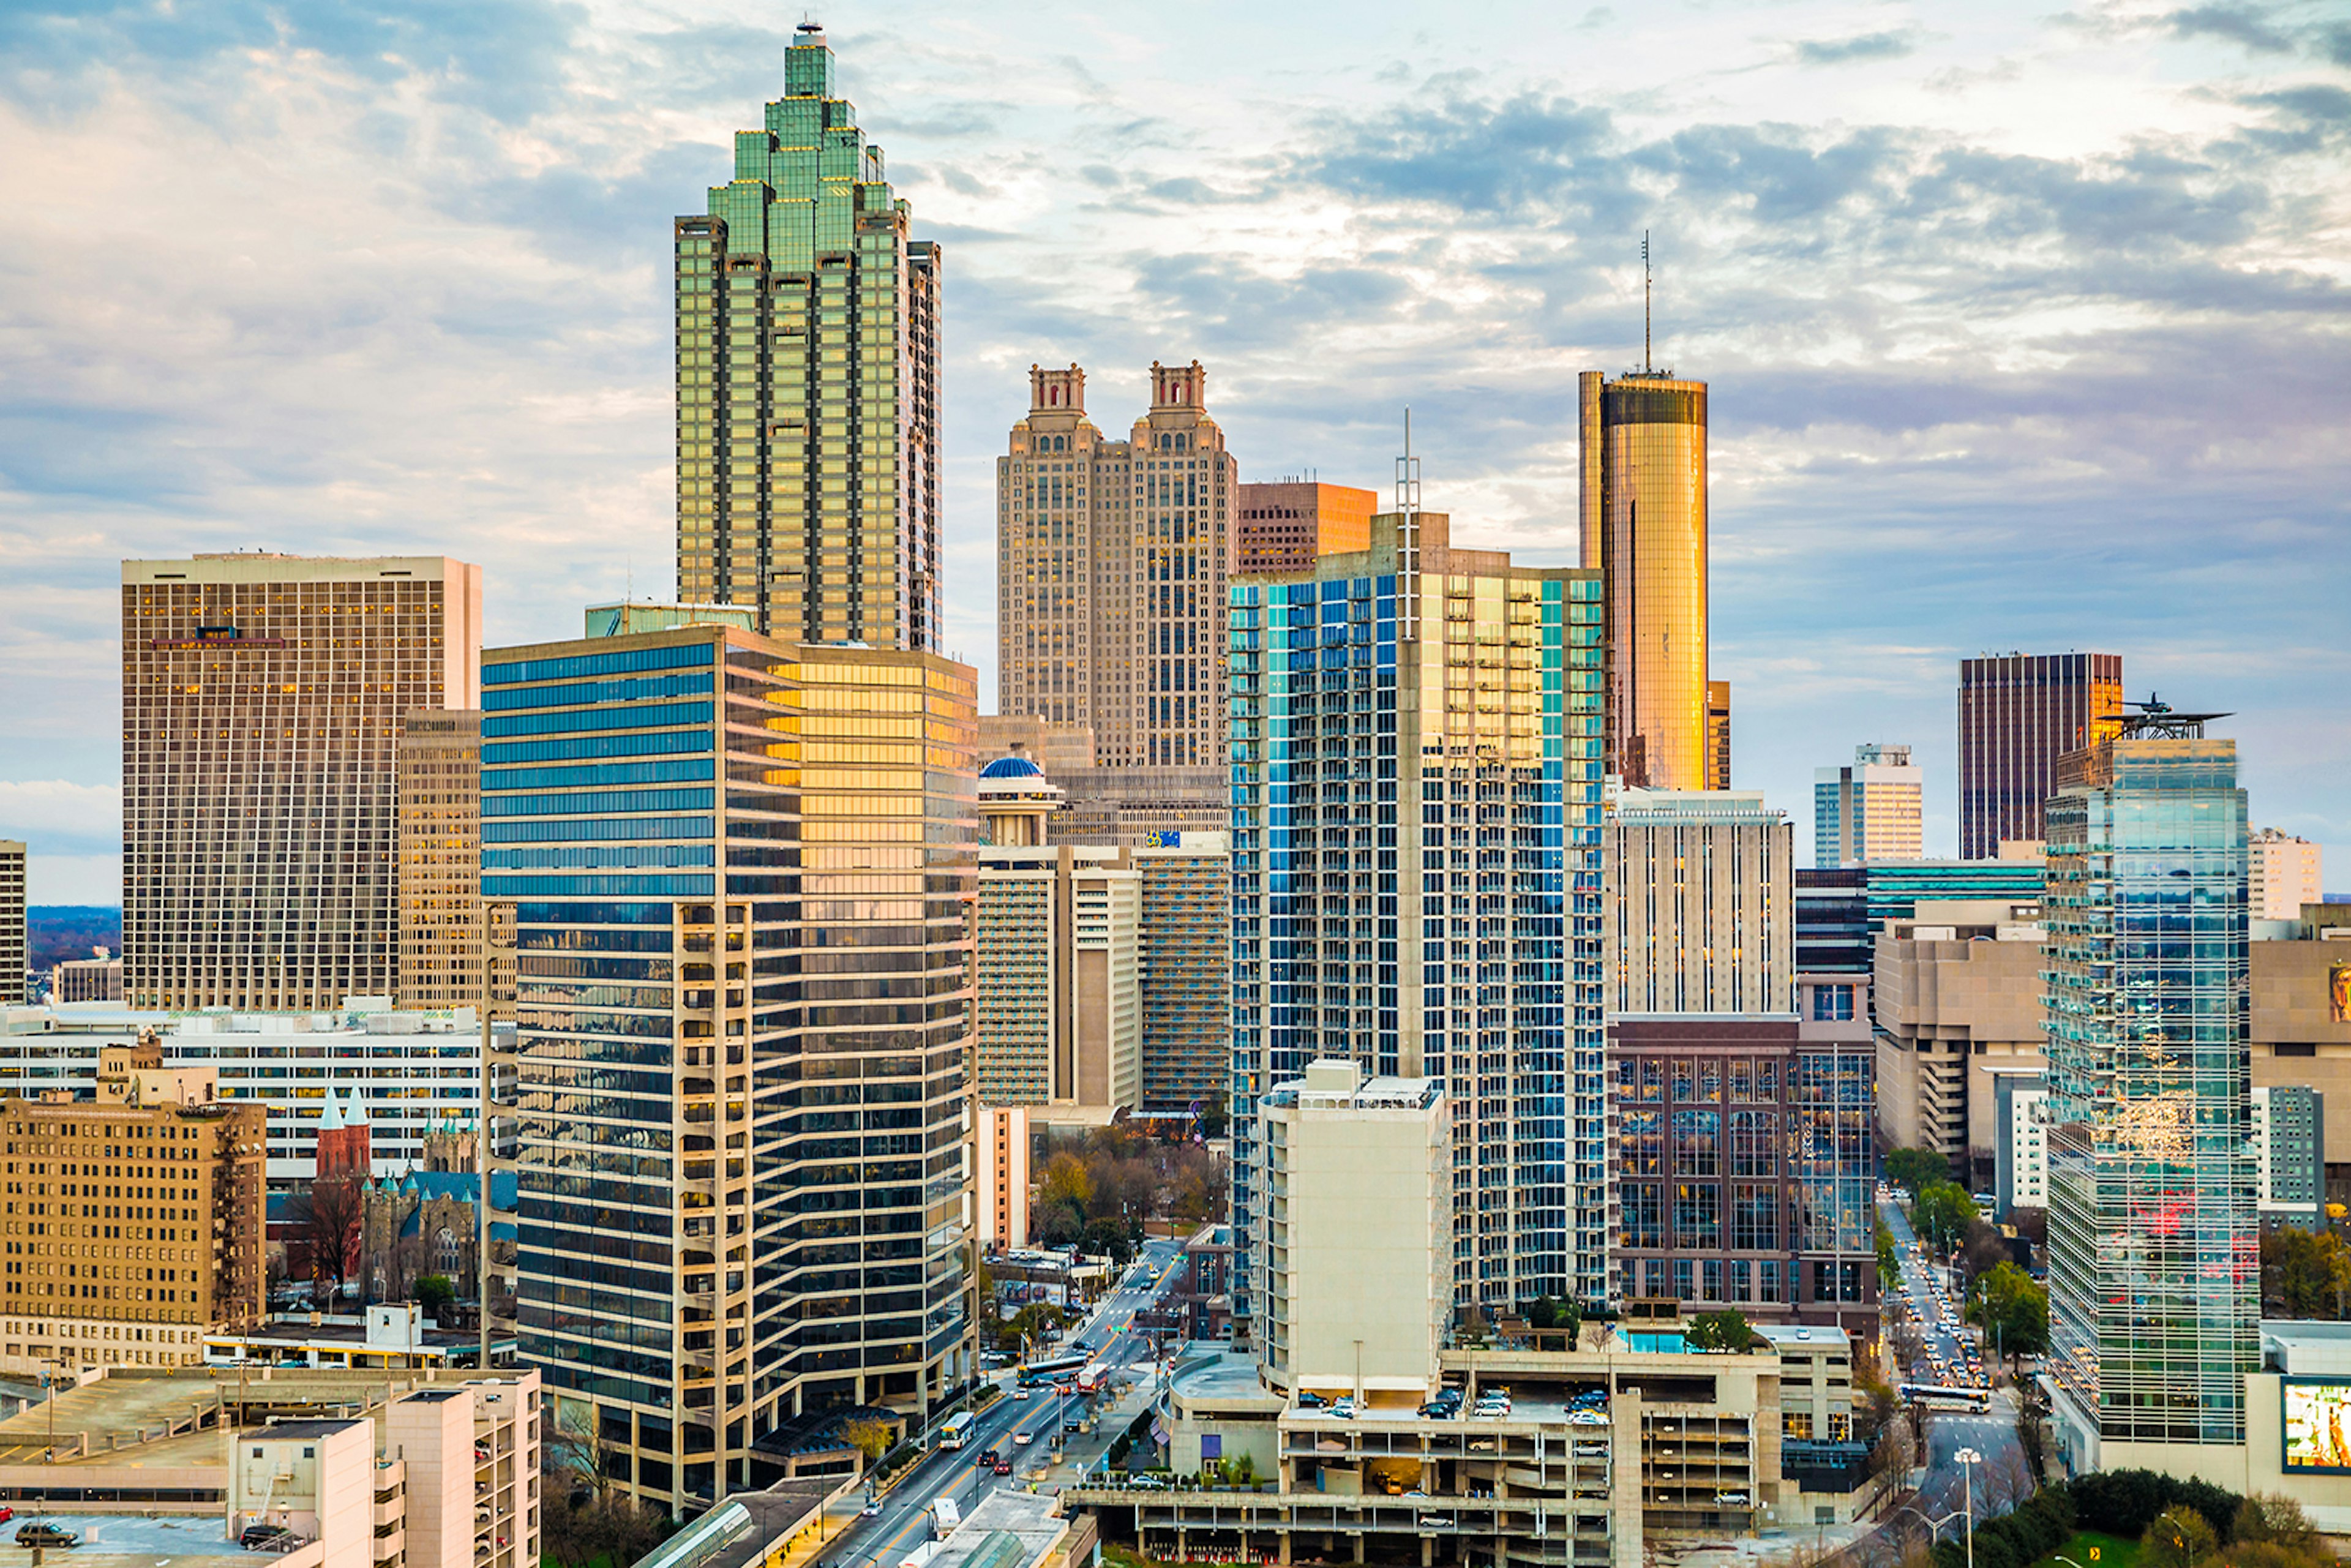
pixel 1647 368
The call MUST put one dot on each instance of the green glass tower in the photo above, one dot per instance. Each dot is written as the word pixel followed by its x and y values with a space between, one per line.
pixel 808 409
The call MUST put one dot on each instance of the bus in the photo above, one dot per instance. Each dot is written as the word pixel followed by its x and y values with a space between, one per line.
pixel 1091 1380
pixel 1941 1396
pixel 1052 1369
pixel 957 1431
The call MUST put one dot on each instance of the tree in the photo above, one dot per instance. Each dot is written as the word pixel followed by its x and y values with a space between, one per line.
pixel 869 1437
pixel 1913 1170
pixel 2180 1538
pixel 1555 1312
pixel 1727 1330
pixel 1942 1212
pixel 1890 1262
pixel 1108 1239
pixel 2012 1309
pixel 434 1292
pixel 574 1456
pixel 2274 1518
pixel 327 1233
pixel 2306 1273
pixel 1067 1181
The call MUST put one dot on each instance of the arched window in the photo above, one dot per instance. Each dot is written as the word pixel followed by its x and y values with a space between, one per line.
pixel 444 1252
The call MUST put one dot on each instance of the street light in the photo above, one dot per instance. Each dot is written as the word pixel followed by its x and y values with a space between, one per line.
pixel 1968 1460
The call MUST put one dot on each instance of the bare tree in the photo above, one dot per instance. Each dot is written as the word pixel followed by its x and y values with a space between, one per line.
pixel 327 1222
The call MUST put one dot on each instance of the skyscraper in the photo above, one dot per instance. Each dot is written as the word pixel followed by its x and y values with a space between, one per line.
pixel 808 392
pixel 1644 513
pixel 444 937
pixel 1870 809
pixel 742 872
pixel 1717 734
pixel 2154 1270
pixel 1415 785
pixel 1111 557
pixel 262 701
pixel 15 948
pixel 2018 712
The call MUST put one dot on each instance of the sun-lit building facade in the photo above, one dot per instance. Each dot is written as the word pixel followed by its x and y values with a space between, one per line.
pixel 1644 508
pixel 808 381
pixel 2154 1272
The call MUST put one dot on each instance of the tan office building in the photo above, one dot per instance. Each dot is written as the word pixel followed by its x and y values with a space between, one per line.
pixel 1644 507
pixel 1699 903
pixel 132 1227
pixel 1957 997
pixel 1351 1307
pixel 262 700
pixel 1287 524
pixel 442 912
pixel 1111 560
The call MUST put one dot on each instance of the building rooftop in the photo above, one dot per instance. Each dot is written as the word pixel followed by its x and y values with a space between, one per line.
pixel 130 1541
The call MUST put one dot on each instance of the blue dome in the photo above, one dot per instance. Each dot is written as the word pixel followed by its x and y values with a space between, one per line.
pixel 1012 768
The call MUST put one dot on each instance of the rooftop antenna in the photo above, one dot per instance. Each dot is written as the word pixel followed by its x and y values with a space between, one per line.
pixel 1647 368
pixel 1408 474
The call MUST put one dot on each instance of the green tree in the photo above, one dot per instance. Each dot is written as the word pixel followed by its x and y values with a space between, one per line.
pixel 1913 1170
pixel 1890 1262
pixel 1555 1312
pixel 2177 1539
pixel 1727 1330
pixel 1942 1212
pixel 869 1436
pixel 2012 1309
pixel 1107 1239
pixel 434 1292
pixel 2306 1273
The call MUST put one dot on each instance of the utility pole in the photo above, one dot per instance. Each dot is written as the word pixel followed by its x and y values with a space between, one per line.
pixel 1968 1460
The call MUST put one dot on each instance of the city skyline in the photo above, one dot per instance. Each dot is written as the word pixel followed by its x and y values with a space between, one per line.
pixel 1961 475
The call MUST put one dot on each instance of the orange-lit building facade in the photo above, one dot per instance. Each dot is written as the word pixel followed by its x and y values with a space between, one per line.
pixel 1643 495
pixel 1283 525
pixel 2018 712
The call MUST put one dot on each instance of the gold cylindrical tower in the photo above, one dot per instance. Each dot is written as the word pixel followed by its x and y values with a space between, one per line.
pixel 1644 529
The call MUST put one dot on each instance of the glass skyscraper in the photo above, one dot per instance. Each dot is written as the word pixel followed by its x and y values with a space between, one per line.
pixel 808 399
pixel 1416 800
pixel 741 874
pixel 2154 1265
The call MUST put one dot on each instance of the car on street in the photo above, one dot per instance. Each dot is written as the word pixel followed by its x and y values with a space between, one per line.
pixel 1020 1394
pixel 1021 1440
pixel 1002 1467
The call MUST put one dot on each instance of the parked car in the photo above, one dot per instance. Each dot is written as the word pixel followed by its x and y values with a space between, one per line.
pixel 6 1513
pixel 1310 1400
pixel 1345 1408
pixel 37 1534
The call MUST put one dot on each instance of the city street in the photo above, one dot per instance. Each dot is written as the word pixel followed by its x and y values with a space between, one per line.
pixel 904 1523
pixel 1944 1358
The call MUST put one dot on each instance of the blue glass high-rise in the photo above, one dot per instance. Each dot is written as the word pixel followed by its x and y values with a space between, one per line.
pixel 1415 776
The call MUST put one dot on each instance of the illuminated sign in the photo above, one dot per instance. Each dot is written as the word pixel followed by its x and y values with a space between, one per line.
pixel 2317 1414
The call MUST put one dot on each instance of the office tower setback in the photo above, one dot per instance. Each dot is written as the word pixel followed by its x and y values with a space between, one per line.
pixel 1869 810
pixel 2154 1272
pixel 1748 1168
pixel 2018 712
pixel 1644 509
pixel 1287 525
pixel 742 872
pixel 2285 874
pixel 262 701
pixel 443 937
pixel 807 383
pixel 186 1257
pixel 15 946
pixel 1416 787
pixel 1700 915
pixel 1839 914
pixel 1111 562
pixel 1717 734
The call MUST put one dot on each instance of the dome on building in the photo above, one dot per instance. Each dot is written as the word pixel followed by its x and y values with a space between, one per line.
pixel 1013 766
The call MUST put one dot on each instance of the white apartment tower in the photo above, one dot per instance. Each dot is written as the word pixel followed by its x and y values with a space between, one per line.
pixel 1869 810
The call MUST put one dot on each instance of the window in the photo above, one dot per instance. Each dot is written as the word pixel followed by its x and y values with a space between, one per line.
pixel 1833 1004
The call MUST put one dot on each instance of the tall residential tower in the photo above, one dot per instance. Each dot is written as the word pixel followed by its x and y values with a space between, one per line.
pixel 1415 821
pixel 807 393
pixel 262 703
pixel 1870 809
pixel 1644 508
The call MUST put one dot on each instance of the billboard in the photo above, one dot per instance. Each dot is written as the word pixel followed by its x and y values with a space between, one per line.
pixel 2317 1426
pixel 2338 993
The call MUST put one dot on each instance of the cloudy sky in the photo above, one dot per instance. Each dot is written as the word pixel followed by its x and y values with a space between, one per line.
pixel 2028 328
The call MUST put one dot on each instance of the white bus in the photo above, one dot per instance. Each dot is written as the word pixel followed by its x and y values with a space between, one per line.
pixel 1939 1397
pixel 957 1431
